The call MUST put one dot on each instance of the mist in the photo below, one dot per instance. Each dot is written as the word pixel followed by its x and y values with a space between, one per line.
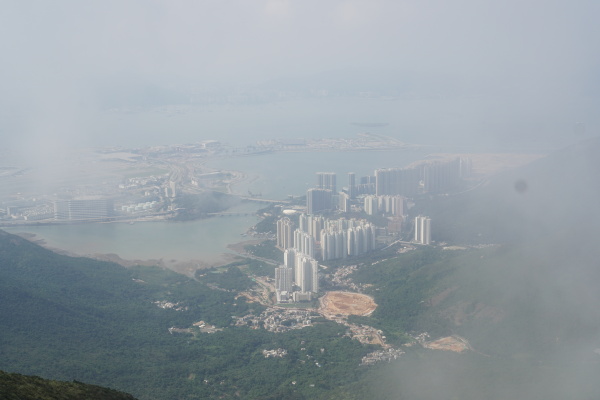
pixel 465 76
pixel 515 70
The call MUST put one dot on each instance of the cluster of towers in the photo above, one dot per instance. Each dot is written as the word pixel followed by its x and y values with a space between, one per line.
pixel 314 238
pixel 392 205
pixel 345 238
pixel 428 177
pixel 329 239
pixel 298 278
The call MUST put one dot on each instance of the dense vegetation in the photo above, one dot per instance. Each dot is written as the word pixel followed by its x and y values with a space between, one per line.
pixel 80 319
pixel 194 206
pixel 231 279
pixel 21 387
pixel 266 249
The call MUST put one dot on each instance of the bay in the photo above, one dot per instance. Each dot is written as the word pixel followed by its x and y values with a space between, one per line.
pixel 272 175
pixel 205 240
pixel 277 175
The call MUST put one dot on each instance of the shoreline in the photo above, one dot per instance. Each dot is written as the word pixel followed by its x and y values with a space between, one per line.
pixel 184 267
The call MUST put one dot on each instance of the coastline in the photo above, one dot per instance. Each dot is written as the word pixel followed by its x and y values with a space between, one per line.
pixel 184 267
pixel 238 248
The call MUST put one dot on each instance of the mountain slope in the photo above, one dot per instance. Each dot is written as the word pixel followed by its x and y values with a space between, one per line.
pixel 554 196
pixel 526 304
pixel 21 387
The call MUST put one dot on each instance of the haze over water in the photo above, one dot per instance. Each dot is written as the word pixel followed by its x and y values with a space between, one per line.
pixel 274 176
pixel 448 122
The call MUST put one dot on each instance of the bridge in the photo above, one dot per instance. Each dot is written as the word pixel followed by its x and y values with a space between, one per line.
pixel 231 214
pixel 261 200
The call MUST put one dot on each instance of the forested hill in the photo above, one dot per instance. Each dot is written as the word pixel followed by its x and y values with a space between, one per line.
pixel 79 319
pixel 535 288
pixel 71 318
pixel 21 387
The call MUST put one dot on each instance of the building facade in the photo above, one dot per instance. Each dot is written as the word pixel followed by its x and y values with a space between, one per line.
pixel 423 229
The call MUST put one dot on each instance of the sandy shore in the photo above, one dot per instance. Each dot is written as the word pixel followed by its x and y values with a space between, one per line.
pixel 239 247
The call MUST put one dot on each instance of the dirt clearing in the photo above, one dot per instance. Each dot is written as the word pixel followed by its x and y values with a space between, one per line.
pixel 347 303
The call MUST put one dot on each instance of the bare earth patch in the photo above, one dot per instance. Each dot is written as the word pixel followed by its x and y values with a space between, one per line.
pixel 347 303
pixel 450 343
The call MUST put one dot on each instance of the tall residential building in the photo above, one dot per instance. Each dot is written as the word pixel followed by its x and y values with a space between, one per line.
pixel 371 205
pixel 327 180
pixel 314 225
pixel 361 239
pixel 395 181
pixel 285 233
pixel 318 200
pixel 83 209
pixel 334 244
pixel 423 230
pixel 441 176
pixel 352 185
pixel 283 279
pixel 366 185
pixel 289 256
pixel 307 274
pixel 304 243
pixel 344 202
pixel 393 205
pixel 303 222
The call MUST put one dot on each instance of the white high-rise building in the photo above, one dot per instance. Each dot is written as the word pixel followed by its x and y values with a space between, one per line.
pixel 315 276
pixel 283 279
pixel 307 274
pixel 303 222
pixel 285 233
pixel 371 205
pixel 391 204
pixel 315 225
pixel 344 202
pixel 346 237
pixel 318 200
pixel 352 184
pixel 327 180
pixel 423 230
pixel 304 243
pixel 334 244
pixel 289 256
pixel 289 260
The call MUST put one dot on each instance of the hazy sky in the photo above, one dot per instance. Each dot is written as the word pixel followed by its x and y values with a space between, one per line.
pixel 245 41
pixel 57 56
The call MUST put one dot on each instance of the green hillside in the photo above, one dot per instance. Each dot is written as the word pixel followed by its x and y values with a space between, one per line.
pixel 97 322
pixel 21 387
